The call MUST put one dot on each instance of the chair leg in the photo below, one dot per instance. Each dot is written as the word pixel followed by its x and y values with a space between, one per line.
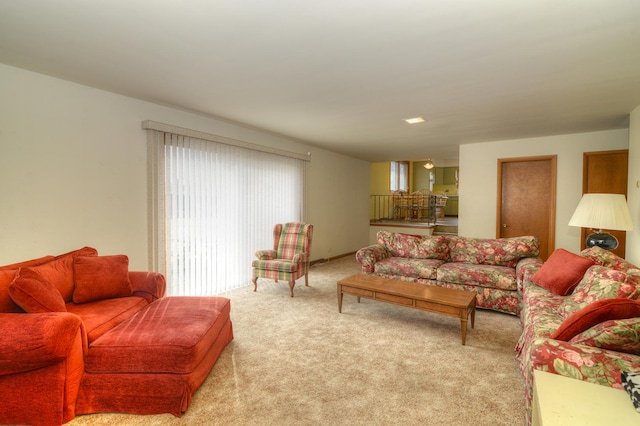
pixel 255 283
pixel 291 284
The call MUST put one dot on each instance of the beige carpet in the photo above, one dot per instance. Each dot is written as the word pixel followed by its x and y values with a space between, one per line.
pixel 297 361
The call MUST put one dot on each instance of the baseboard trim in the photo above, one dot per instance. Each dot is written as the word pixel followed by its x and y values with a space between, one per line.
pixel 328 259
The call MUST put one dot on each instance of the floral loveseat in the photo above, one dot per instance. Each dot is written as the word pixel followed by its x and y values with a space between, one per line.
pixel 580 319
pixel 490 267
pixel 80 333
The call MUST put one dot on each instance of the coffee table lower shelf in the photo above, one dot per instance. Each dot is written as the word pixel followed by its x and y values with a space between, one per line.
pixel 445 301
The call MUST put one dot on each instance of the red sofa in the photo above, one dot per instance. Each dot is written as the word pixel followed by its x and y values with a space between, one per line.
pixel 80 333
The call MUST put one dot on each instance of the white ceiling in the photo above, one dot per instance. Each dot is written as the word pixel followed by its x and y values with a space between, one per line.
pixel 342 74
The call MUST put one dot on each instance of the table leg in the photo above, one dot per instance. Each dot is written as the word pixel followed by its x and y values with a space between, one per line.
pixel 463 325
pixel 473 315
pixel 339 298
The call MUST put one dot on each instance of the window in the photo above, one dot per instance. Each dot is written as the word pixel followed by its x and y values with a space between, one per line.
pixel 216 205
pixel 399 176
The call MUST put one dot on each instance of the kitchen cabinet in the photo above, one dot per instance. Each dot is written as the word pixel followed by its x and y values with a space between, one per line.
pixel 449 175
pixel 451 209
pixel 445 175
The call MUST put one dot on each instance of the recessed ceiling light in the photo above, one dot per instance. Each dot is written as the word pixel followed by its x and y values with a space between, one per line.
pixel 414 120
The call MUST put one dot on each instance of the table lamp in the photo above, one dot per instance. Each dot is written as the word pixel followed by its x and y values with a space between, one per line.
pixel 599 212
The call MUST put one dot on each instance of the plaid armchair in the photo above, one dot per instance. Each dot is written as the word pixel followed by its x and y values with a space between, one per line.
pixel 289 259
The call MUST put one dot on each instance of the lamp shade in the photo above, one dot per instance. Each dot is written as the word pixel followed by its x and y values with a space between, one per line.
pixel 429 164
pixel 602 211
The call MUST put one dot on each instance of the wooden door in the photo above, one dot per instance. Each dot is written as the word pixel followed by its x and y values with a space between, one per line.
pixel 606 172
pixel 527 200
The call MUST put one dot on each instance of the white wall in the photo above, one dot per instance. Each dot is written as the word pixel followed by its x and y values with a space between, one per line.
pixel 633 188
pixel 73 172
pixel 479 179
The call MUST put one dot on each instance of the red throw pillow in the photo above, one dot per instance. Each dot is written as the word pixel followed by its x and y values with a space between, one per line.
pixel 59 271
pixel 594 314
pixel 101 277
pixel 562 272
pixel 7 274
pixel 35 294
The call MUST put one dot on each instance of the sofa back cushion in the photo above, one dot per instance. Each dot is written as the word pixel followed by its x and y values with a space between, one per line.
pixel 7 275
pixel 34 294
pixel 414 246
pixel 101 277
pixel 606 258
pixel 492 251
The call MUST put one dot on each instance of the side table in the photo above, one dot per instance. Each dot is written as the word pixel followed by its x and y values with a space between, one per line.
pixel 559 400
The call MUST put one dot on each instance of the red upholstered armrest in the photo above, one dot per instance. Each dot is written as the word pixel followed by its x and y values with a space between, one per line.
pixel 150 285
pixel 31 341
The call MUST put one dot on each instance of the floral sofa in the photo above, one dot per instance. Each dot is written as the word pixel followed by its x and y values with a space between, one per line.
pixel 80 333
pixel 580 319
pixel 490 267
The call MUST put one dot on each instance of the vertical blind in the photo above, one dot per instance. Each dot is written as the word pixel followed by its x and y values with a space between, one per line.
pixel 220 203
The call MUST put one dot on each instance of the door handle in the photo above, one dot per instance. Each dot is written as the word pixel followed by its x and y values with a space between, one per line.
pixel 504 225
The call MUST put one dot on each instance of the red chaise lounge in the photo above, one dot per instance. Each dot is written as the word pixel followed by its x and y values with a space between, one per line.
pixel 80 334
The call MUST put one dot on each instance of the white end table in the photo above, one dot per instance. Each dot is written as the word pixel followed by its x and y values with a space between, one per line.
pixel 559 400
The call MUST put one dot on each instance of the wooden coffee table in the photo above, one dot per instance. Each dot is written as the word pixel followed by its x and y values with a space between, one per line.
pixel 446 301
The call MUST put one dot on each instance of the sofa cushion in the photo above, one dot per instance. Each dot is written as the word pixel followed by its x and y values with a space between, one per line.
pixel 607 258
pixel 434 247
pixel 7 274
pixel 101 277
pixel 492 276
pixel 498 251
pixel 562 272
pixel 406 267
pixel 595 313
pixel 59 270
pixel 34 294
pixel 599 283
pixel 414 246
pixel 172 335
pixel 101 316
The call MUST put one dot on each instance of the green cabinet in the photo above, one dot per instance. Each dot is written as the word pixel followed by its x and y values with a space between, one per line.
pixel 451 209
pixel 445 175
pixel 449 175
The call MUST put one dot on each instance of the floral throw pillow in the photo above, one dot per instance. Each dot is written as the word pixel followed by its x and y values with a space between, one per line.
pixel 597 284
pixel 620 335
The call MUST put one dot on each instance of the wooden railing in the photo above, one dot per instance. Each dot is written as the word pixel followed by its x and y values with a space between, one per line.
pixel 418 207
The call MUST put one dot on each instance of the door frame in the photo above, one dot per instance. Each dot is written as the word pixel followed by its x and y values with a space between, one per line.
pixel 552 194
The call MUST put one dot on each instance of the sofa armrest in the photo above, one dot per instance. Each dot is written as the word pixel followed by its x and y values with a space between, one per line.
pixel 526 268
pixel 368 256
pixel 149 285
pixel 32 341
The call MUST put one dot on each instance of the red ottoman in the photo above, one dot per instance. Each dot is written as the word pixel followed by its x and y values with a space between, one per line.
pixel 155 361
